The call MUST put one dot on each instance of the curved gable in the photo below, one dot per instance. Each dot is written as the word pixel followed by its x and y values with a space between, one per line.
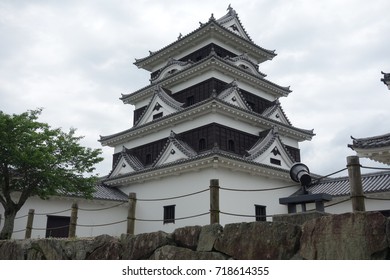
pixel 270 150
pixel 174 150
pixel 160 105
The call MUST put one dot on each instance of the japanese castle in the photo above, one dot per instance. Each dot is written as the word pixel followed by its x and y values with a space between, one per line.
pixel 207 112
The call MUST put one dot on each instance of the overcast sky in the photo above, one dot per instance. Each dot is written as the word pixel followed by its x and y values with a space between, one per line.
pixel 75 58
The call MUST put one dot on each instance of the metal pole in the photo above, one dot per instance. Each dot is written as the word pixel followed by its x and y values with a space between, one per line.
pixel 214 201
pixel 355 181
pixel 131 213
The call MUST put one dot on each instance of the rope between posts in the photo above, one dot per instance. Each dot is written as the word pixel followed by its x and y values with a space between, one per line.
pixel 100 209
pixel 169 198
pixel 183 218
pixel 259 190
pixel 338 202
pixel 376 198
pixel 62 211
pixel 326 176
pixel 377 168
pixel 53 228
pixel 24 216
pixel 102 225
pixel 20 230
pixel 243 215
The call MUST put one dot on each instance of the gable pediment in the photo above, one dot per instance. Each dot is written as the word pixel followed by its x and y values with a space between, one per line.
pixel 159 106
pixel 270 150
pixel 174 150
pixel 170 68
pixel 243 61
pixel 125 164
pixel 276 113
pixel 233 96
pixel 231 22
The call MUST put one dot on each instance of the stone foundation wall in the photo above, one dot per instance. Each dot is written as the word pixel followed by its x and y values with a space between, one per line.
pixel 363 235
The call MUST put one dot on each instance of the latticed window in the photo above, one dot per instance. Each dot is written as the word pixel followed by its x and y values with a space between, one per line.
pixel 260 213
pixel 157 116
pixel 148 159
pixel 231 146
pixel 202 144
pixel 169 214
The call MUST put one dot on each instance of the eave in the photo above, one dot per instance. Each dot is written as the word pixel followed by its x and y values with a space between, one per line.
pixel 213 30
pixel 214 159
pixel 210 63
pixel 209 106
pixel 381 155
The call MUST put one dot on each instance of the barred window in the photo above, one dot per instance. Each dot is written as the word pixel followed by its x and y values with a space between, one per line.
pixel 260 213
pixel 169 214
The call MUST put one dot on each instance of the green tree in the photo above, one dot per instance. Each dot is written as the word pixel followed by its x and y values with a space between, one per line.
pixel 36 160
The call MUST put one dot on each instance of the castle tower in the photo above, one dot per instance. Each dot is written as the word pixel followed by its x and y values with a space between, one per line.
pixel 207 113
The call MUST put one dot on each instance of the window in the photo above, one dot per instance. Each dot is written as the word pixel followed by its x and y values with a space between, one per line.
pixel 275 161
pixel 190 100
pixel 148 159
pixel 169 214
pixel 202 144
pixel 231 147
pixel 157 116
pixel 57 226
pixel 260 213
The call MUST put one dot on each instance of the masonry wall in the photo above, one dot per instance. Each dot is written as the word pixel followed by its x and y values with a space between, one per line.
pixel 363 235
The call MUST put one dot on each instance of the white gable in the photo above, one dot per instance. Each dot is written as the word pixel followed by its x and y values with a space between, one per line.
pixel 170 154
pixel 161 105
pixel 271 151
pixel 275 155
pixel 231 22
pixel 122 167
pixel 232 96
pixel 279 116
pixel 276 113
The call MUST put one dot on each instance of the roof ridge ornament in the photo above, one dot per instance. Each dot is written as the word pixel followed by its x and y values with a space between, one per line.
pixel 172 135
pixel 386 79
pixel 231 10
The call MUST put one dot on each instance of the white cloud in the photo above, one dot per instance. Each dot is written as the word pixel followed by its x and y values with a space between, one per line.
pixel 75 59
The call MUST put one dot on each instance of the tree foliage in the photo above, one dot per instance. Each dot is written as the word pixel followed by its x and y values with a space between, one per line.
pixel 37 160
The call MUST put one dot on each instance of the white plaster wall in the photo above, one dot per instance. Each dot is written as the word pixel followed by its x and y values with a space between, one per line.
pixel 47 207
pixel 242 203
pixel 346 206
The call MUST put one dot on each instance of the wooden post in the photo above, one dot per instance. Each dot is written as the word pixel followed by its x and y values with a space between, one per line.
pixel 214 201
pixel 131 213
pixel 73 220
pixel 30 220
pixel 355 181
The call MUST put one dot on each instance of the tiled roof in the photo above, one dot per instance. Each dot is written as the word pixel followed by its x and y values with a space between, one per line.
pixel 108 193
pixel 271 109
pixel 231 15
pixel 265 142
pixel 122 134
pixel 379 141
pixel 213 22
pixel 179 144
pixel 372 182
pixel 376 148
pixel 214 153
pixel 259 78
